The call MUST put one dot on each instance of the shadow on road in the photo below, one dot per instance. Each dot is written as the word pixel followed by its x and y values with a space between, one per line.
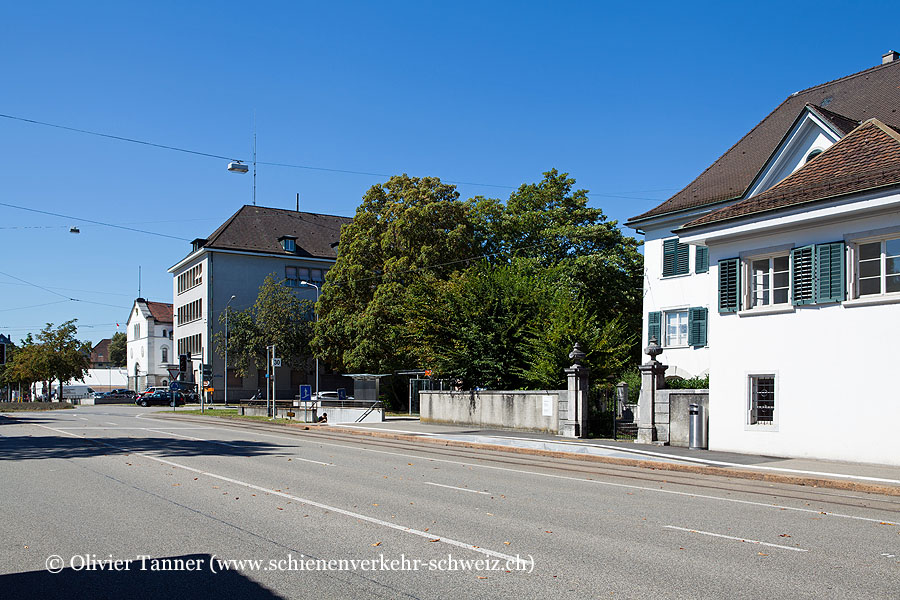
pixel 136 583
pixel 61 446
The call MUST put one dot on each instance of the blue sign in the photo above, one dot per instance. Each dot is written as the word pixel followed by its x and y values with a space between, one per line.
pixel 305 393
pixel 342 394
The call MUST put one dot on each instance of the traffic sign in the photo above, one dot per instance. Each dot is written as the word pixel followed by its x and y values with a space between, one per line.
pixel 276 362
pixel 305 393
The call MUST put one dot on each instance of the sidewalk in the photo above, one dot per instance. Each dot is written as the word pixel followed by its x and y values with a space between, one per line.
pixel 883 479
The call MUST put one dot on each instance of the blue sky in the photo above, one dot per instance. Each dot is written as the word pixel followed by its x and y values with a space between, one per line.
pixel 634 101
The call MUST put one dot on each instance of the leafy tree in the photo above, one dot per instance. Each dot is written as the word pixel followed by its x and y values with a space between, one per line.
pixel 403 229
pixel 118 349
pixel 62 355
pixel 277 317
pixel 494 293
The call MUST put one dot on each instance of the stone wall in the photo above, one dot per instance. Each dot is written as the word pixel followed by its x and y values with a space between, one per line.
pixel 672 414
pixel 523 410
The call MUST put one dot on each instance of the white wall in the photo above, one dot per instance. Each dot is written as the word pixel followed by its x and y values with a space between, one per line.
pixel 835 398
pixel 669 293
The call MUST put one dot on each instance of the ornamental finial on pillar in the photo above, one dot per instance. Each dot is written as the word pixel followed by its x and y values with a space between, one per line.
pixel 653 349
pixel 577 355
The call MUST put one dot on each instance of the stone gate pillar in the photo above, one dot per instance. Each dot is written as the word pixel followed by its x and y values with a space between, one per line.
pixel 652 378
pixel 574 424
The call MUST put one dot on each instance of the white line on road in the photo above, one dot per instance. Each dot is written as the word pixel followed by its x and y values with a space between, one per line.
pixel 348 513
pixel 80 427
pixel 729 537
pixel 589 481
pixel 453 487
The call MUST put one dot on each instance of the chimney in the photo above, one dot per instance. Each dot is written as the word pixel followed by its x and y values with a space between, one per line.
pixel 889 56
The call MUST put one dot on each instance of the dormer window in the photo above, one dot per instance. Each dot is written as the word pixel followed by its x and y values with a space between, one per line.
pixel 197 244
pixel 813 154
pixel 288 243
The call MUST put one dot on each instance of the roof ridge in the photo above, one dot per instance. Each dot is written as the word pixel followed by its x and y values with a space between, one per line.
pixel 850 76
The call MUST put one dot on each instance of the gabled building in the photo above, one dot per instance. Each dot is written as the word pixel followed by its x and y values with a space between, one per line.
pixel 777 272
pixel 100 355
pixel 149 344
pixel 234 261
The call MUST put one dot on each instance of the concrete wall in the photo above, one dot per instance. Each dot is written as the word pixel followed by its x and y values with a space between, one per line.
pixel 508 410
pixel 672 414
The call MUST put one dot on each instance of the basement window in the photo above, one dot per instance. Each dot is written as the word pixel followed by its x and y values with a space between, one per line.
pixel 762 400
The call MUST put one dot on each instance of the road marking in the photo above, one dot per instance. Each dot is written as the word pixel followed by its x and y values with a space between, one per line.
pixel 113 424
pixel 729 537
pixel 589 481
pixel 83 419
pixel 348 513
pixel 453 487
pixel 80 427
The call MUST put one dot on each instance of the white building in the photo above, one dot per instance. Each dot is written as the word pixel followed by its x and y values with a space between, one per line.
pixel 234 261
pixel 774 272
pixel 149 344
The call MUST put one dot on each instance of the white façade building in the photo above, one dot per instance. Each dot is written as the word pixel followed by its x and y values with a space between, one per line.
pixel 149 344
pixel 234 261
pixel 777 271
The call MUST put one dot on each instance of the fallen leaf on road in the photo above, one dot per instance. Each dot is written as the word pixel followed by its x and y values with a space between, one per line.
pixel 427 528
pixel 174 484
pixel 507 543
pixel 279 508
pixel 435 540
pixel 377 544
pixel 195 479
pixel 548 532
pixel 215 487
pixel 481 577
pixel 784 535
pixel 374 505
pixel 762 553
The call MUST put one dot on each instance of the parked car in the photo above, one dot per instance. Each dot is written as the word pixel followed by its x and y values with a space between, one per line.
pixel 123 393
pixel 153 389
pixel 160 398
pixel 185 389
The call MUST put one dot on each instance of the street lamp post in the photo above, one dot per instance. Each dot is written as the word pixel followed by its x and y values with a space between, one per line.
pixel 226 350
pixel 306 283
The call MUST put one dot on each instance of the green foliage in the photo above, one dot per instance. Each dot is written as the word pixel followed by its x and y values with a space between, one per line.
pixel 56 354
pixel 694 383
pixel 118 349
pixel 494 293
pixel 277 317
pixel 633 378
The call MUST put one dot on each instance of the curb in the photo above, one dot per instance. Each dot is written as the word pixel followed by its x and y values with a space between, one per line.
pixel 808 481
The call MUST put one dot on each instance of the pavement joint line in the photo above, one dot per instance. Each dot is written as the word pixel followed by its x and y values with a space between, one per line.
pixel 348 513
pixel 453 487
pixel 730 537
pixel 589 481
pixel 704 461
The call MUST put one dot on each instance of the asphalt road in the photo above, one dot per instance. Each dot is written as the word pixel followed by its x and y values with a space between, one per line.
pixel 178 504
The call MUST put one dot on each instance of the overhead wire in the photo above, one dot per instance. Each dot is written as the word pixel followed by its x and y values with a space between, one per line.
pixel 288 165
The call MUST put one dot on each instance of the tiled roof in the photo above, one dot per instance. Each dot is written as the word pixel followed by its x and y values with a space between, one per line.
pixel 866 158
pixel 258 229
pixel 160 311
pixel 841 123
pixel 100 352
pixel 873 93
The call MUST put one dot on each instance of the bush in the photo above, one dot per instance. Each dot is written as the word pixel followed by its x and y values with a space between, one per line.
pixel 633 378
pixel 694 383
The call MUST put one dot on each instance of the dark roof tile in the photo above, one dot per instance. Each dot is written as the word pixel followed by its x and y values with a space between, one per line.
pixel 258 229
pixel 873 93
pixel 866 158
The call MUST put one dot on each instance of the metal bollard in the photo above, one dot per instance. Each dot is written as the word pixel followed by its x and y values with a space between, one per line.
pixel 697 430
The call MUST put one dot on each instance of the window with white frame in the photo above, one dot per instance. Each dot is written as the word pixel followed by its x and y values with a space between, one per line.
pixel 769 281
pixel 676 328
pixel 762 400
pixel 877 267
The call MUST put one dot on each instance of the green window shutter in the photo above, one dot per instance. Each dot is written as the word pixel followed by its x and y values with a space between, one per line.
pixel 830 272
pixel 654 327
pixel 701 260
pixel 697 325
pixel 669 251
pixel 802 275
pixel 729 285
pixel 676 257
